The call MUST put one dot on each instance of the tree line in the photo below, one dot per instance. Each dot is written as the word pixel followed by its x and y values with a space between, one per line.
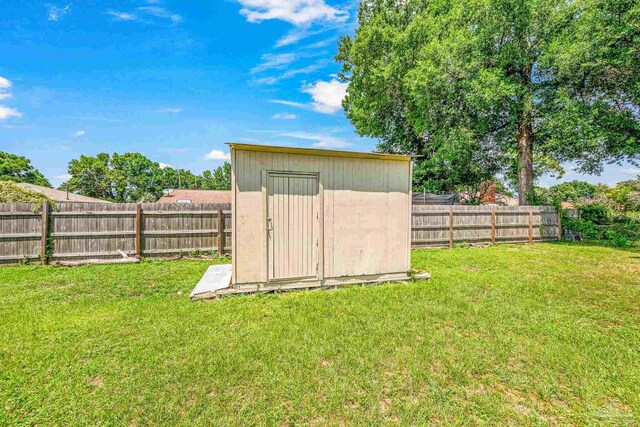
pixel 125 178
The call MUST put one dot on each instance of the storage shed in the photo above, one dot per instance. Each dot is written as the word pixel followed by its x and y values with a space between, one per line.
pixel 308 218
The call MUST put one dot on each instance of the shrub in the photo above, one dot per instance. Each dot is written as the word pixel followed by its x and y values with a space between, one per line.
pixel 10 192
pixel 596 213
pixel 598 223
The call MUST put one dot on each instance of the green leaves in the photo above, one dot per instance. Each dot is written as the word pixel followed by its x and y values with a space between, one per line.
pixel 19 169
pixel 423 74
pixel 132 177
pixel 220 179
pixel 10 192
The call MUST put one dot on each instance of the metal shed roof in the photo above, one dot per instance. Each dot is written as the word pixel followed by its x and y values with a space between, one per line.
pixel 318 152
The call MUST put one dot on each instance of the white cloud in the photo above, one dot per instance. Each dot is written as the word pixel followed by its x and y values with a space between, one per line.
pixel 217 155
pixel 5 85
pixel 64 177
pixel 170 110
pixel 321 43
pixel 122 16
pixel 631 171
pixel 321 141
pixel 284 116
pixel 290 103
pixel 296 34
pixel 56 13
pixel 78 133
pixel 7 112
pixel 272 61
pixel 164 165
pixel 296 12
pixel 292 37
pixel 150 12
pixel 291 73
pixel 327 96
pixel 161 12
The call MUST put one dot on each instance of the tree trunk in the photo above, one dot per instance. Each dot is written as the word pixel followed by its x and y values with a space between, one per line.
pixel 525 162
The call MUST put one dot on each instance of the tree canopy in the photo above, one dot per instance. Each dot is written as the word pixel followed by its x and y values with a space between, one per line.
pixel 487 87
pixel 132 177
pixel 566 191
pixel 219 179
pixel 19 169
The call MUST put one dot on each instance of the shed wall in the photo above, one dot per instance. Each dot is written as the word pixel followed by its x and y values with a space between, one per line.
pixel 365 207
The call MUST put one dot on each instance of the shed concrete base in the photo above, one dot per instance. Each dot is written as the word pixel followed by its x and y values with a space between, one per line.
pixel 216 277
pixel 329 283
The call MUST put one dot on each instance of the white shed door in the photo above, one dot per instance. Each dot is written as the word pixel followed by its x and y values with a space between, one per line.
pixel 292 226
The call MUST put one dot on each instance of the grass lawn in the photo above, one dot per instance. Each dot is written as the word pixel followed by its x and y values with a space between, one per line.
pixel 536 334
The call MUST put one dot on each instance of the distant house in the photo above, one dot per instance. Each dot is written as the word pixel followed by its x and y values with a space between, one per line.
pixel 60 196
pixel 489 196
pixel 196 196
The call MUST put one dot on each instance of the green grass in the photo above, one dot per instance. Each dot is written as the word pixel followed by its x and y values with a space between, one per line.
pixel 538 334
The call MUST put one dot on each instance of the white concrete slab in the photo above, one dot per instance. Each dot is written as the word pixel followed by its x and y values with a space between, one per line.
pixel 215 278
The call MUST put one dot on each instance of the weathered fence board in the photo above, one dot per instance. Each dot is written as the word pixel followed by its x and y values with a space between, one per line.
pixel 96 230
pixel 90 230
pixel 20 232
pixel 442 226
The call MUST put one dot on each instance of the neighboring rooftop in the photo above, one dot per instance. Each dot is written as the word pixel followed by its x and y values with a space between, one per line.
pixel 60 196
pixel 196 196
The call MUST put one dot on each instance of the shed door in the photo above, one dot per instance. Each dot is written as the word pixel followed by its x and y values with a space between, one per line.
pixel 292 226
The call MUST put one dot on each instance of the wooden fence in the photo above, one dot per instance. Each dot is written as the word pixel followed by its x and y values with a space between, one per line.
pixel 74 231
pixel 444 226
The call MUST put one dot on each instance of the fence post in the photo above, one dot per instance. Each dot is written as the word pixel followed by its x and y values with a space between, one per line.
pixel 139 230
pixel 220 231
pixel 451 227
pixel 44 239
pixel 530 225
pixel 493 225
pixel 559 215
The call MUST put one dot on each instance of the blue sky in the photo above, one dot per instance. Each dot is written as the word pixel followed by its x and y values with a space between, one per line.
pixel 175 80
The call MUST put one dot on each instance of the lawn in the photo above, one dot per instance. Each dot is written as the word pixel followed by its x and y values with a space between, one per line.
pixel 536 334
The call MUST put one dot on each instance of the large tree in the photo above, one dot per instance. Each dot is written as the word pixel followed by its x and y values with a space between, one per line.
pixel 132 177
pixel 219 179
pixel 19 169
pixel 129 177
pixel 510 86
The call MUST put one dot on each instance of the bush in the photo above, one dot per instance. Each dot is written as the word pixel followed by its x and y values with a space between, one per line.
pixel 598 223
pixel 596 213
pixel 10 192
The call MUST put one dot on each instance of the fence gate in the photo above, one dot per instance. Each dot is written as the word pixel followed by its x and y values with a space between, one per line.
pixel 292 226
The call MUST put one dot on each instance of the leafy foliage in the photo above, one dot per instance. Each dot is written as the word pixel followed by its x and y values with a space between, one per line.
pixel 565 192
pixel 19 169
pixel 10 192
pixel 618 230
pixel 611 215
pixel 488 86
pixel 132 177
pixel 220 179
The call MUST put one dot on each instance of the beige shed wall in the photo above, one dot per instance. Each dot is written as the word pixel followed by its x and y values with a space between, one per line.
pixel 366 213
